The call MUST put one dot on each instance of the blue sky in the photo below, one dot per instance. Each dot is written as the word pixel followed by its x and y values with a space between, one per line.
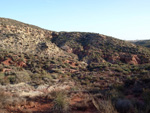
pixel 123 19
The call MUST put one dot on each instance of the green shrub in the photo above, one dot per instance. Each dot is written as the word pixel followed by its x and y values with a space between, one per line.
pixel 2 75
pixel 12 79
pixel 1 68
pixel 61 103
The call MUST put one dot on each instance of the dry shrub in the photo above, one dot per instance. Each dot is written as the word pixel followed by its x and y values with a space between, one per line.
pixel 3 97
pixel 7 101
pixel 103 106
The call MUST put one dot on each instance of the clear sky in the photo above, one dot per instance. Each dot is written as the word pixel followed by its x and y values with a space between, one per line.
pixel 123 19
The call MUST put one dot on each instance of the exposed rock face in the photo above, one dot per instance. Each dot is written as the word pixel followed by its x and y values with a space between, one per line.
pixel 131 59
pixel 21 37
pixel 124 57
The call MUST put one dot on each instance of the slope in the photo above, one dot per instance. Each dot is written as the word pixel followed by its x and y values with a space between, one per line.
pixel 145 43
pixel 93 69
pixel 20 37
pixel 93 47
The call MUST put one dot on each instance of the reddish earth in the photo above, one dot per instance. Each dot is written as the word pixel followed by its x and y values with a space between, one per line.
pixel 22 64
pixel 75 100
pixel 7 62
pixel 80 104
pixel 19 63
pixel 38 105
pixel 134 60
pixel 73 64
pixel 44 105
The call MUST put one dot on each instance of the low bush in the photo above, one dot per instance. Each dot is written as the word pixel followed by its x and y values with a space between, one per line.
pixel 124 106
pixel 61 103
pixel 103 106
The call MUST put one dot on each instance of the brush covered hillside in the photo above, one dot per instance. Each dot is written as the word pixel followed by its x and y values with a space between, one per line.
pixel 43 71
pixel 92 47
pixel 145 43
pixel 25 38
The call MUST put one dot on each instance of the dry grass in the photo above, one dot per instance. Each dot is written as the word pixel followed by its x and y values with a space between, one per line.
pixel 103 106
pixel 3 97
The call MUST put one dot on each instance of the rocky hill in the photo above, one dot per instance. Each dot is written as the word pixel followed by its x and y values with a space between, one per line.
pixel 89 47
pixel 92 47
pixel 43 71
pixel 20 37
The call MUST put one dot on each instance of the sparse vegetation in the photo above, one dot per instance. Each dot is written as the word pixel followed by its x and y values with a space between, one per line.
pixel 115 73
pixel 145 43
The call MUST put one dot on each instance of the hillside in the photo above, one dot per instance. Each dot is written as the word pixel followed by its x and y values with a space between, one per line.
pixel 43 71
pixel 92 47
pixel 20 37
pixel 145 43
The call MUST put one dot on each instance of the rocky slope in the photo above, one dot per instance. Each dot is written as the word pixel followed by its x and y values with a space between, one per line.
pixel 89 47
pixel 92 47
pixel 43 71
pixel 20 37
